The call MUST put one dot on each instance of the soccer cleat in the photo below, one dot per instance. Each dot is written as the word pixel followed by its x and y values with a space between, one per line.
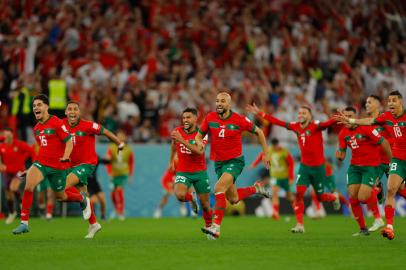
pixel 261 190
pixel 378 223
pixel 85 206
pixel 158 213
pixel 214 231
pixel 93 229
pixel 22 228
pixel 10 218
pixel 299 228
pixel 48 216
pixel 388 233
pixel 336 202
pixel 121 217
pixel 362 232
pixel 195 204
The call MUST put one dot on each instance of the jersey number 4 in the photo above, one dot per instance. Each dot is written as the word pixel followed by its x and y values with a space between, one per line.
pixel 221 133
pixel 43 140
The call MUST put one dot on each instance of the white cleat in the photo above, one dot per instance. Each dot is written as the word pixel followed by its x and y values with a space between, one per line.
pixel 336 203
pixel 93 229
pixel 121 217
pixel 158 213
pixel 378 223
pixel 85 206
pixel 213 231
pixel 299 228
pixel 11 217
pixel 261 190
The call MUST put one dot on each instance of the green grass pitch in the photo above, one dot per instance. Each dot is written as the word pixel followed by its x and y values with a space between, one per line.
pixel 177 243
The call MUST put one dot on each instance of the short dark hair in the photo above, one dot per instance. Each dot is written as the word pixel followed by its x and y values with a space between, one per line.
pixel 7 128
pixel 274 141
pixel 307 108
pixel 396 93
pixel 190 110
pixel 42 97
pixel 72 102
pixel 378 98
pixel 350 109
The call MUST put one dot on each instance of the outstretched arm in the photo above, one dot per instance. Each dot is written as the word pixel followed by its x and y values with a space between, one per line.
pixel 327 124
pixel 342 119
pixel 112 137
pixel 273 120
pixel 262 141
pixel 257 160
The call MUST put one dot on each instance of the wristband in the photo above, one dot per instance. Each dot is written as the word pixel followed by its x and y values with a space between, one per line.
pixel 351 121
pixel 121 145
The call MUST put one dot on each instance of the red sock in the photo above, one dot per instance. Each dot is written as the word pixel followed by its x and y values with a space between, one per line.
pixel 219 208
pixel 357 211
pixel 316 201
pixel 389 214
pixel 208 218
pixel 343 200
pixel 275 208
pixel 246 192
pixel 120 201
pixel 50 208
pixel 73 195
pixel 402 192
pixel 327 197
pixel 92 219
pixel 299 203
pixel 26 205
pixel 375 210
pixel 188 197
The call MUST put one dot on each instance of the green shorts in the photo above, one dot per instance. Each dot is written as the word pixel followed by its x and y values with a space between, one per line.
pixel 313 175
pixel 398 166
pixel 232 166
pixel 383 170
pixel 366 175
pixel 43 186
pixel 199 180
pixel 119 180
pixel 82 171
pixel 330 183
pixel 283 183
pixel 56 178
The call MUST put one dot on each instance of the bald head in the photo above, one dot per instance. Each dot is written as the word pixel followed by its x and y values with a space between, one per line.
pixel 223 103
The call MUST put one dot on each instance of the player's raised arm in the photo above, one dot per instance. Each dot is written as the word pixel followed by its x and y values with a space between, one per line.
pixel 273 120
pixel 326 124
pixel 194 147
pixel 112 137
pixel 262 141
pixel 342 147
pixel 342 119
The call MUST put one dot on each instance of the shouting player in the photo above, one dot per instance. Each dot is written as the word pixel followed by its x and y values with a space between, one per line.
pixel 84 158
pixel 191 167
pixel 363 171
pixel 225 128
pixel 312 167
pixel 394 122
pixel 51 162
pixel 13 154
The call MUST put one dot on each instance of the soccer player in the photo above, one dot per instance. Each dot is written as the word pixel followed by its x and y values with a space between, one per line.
pixel 51 162
pixel 120 168
pixel 394 121
pixel 363 171
pixel 281 172
pixel 191 167
pixel 312 169
pixel 13 155
pixel 225 129
pixel 84 158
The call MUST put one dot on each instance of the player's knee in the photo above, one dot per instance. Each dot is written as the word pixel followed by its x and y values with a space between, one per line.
pixel 60 196
pixel 362 197
pixel 391 192
pixel 180 196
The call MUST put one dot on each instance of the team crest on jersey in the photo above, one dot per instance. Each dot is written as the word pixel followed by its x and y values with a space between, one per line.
pixel 15 149
pixel 64 129
pixel 308 133
pixel 95 126
pixel 248 120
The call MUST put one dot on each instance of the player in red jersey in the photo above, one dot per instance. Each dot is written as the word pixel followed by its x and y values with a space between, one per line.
pixel 394 121
pixel 364 169
pixel 13 155
pixel 51 162
pixel 312 168
pixel 83 157
pixel 225 129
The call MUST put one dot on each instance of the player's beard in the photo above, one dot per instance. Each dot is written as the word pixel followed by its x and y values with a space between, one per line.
pixel 223 112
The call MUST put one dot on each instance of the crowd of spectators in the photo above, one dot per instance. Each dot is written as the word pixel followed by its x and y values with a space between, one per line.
pixel 136 65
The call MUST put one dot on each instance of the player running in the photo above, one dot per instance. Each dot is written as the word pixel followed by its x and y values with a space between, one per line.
pixel 191 167
pixel 394 121
pixel 13 155
pixel 312 167
pixel 225 128
pixel 363 171
pixel 83 157
pixel 51 162
pixel 281 173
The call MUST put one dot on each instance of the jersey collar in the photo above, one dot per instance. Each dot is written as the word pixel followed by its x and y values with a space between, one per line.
pixel 231 113
pixel 50 116
pixel 191 132
pixel 74 124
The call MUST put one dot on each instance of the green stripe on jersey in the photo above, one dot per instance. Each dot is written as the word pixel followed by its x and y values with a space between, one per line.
pixel 232 127
pixel 80 133
pixel 214 125
pixel 49 131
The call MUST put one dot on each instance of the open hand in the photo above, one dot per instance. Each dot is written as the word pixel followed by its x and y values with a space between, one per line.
pixel 252 108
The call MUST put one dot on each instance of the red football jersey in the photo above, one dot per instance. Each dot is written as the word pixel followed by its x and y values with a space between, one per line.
pixel 384 133
pixel 51 136
pixel 225 135
pixel 187 160
pixel 364 142
pixel 14 155
pixel 84 142
pixel 397 129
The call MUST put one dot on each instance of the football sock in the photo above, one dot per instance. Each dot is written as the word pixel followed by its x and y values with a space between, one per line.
pixel 208 217
pixel 219 208
pixel 389 214
pixel 92 219
pixel 299 203
pixel 316 201
pixel 357 212
pixel 246 192
pixel 26 205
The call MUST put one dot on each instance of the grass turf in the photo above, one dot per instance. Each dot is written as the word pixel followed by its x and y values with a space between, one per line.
pixel 175 243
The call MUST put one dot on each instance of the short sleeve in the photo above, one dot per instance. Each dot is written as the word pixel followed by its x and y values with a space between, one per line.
pixel 205 140
pixel 204 127
pixel 94 128
pixel 247 125
pixel 342 145
pixel 375 136
pixel 61 131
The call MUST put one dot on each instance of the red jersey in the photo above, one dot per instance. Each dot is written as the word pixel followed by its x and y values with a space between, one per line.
pixel 14 155
pixel 51 137
pixel 329 169
pixel 187 160
pixel 310 138
pixel 225 135
pixel 364 142
pixel 384 133
pixel 84 142
pixel 397 129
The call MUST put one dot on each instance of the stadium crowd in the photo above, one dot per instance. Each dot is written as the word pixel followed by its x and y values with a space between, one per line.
pixel 136 65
